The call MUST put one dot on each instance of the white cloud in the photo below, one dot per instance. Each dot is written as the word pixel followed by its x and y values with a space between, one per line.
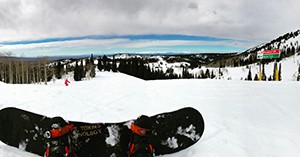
pixel 84 43
pixel 109 46
pixel 250 20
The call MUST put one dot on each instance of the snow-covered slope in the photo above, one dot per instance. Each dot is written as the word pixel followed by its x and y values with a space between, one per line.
pixel 242 118
pixel 289 69
pixel 289 49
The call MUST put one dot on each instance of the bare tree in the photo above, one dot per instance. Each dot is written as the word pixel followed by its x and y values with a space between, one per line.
pixel 45 63
pixel 17 72
pixel 2 69
pixel 38 72
pixel 22 72
pixel 33 80
pixel 10 67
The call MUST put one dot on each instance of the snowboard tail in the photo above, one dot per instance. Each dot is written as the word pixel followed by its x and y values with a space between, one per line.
pixel 25 130
pixel 172 132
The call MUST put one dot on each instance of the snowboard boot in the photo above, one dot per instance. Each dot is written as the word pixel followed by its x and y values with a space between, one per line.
pixel 58 140
pixel 139 143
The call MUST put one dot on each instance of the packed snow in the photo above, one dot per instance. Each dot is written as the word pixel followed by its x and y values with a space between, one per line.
pixel 189 132
pixel 289 70
pixel 241 118
pixel 114 136
pixel 171 142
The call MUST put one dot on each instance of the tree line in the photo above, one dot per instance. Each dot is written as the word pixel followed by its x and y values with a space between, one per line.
pixel 277 68
pixel 23 71
pixel 141 68
pixel 84 70
pixel 18 70
pixel 41 70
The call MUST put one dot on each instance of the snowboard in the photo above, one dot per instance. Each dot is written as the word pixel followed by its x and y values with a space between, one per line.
pixel 172 132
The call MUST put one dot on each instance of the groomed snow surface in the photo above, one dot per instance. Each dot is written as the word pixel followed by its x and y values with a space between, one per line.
pixel 242 119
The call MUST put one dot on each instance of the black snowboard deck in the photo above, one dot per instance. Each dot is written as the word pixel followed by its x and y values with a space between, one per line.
pixel 172 132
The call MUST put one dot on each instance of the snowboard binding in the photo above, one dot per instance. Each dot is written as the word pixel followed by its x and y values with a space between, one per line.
pixel 139 143
pixel 58 141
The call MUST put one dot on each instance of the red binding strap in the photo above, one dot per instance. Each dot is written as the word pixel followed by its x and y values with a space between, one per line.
pixel 138 130
pixel 61 131
pixel 47 152
pixel 151 148
pixel 67 150
pixel 131 150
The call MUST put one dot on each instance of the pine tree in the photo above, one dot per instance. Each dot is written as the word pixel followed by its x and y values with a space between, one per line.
pixel 270 78
pixel 220 73
pixel 92 66
pixel 207 73
pixel 114 65
pixel 279 72
pixel 185 72
pixel 100 65
pixel 298 78
pixel 201 75
pixel 106 65
pixel 77 76
pixel 255 77
pixel 121 67
pixel 264 77
pixel 212 75
pixel 147 73
pixel 93 71
pixel 249 77
pixel 82 70
pixel 59 69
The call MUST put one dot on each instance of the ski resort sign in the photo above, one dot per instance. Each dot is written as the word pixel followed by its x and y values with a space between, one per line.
pixel 268 54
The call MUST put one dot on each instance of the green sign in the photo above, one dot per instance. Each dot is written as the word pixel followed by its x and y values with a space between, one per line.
pixel 268 56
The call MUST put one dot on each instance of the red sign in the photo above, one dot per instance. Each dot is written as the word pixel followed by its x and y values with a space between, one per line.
pixel 266 52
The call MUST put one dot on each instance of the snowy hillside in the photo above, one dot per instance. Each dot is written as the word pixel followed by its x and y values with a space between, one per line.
pixel 242 118
pixel 289 68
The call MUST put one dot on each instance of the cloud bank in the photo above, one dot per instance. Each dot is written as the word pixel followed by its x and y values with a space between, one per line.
pixel 249 20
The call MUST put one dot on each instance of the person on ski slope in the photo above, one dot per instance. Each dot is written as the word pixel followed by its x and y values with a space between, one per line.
pixel 67 82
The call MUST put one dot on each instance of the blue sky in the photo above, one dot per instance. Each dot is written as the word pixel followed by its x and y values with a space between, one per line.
pixel 55 27
pixel 130 37
pixel 124 44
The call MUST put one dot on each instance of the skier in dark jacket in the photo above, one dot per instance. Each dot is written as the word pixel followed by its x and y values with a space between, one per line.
pixel 139 145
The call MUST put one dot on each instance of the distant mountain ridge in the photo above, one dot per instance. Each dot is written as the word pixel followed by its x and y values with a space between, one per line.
pixel 287 43
pixel 152 66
